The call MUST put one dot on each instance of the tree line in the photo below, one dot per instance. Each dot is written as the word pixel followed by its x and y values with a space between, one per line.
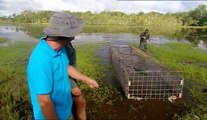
pixel 196 17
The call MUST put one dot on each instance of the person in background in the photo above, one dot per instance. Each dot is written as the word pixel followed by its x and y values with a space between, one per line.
pixel 48 69
pixel 79 104
pixel 144 38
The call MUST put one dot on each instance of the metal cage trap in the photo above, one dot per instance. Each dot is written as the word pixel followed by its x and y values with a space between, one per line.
pixel 142 77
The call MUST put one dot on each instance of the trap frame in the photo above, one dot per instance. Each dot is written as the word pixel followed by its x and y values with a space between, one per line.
pixel 142 77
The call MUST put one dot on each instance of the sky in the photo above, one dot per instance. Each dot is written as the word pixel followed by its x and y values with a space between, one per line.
pixel 9 7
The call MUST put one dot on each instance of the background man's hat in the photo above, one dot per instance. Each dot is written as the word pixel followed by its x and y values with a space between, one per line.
pixel 64 25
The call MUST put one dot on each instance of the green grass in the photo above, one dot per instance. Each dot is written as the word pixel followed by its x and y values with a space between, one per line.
pixel 193 62
pixel 3 40
pixel 90 64
pixel 14 96
pixel 183 57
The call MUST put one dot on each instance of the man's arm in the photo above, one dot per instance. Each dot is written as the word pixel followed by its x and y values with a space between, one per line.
pixel 47 106
pixel 71 54
pixel 143 36
pixel 74 73
pixel 147 36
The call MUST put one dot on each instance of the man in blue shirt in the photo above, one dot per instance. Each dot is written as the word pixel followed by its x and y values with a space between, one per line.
pixel 48 69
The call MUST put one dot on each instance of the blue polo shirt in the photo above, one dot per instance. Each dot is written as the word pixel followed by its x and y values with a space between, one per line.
pixel 47 74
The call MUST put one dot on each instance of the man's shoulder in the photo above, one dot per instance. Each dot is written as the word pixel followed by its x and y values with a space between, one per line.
pixel 142 33
pixel 69 47
pixel 38 51
pixel 39 55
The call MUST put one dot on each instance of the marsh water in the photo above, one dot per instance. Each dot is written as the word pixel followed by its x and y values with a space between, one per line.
pixel 107 35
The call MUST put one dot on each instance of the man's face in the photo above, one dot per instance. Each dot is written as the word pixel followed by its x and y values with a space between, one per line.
pixel 66 41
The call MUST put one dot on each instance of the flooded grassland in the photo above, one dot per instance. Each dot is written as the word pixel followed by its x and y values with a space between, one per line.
pixel 109 102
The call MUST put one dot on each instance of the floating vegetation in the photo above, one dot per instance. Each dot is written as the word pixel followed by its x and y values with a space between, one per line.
pixel 3 40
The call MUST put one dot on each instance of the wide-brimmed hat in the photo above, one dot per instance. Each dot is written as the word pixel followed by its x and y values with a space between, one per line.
pixel 63 24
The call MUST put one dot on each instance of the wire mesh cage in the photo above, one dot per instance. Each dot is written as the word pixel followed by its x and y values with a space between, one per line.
pixel 142 77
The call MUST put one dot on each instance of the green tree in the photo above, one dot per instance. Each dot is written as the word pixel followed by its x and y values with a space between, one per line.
pixel 199 15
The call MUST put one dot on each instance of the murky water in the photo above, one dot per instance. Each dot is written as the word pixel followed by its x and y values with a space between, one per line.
pixel 32 34
pixel 13 34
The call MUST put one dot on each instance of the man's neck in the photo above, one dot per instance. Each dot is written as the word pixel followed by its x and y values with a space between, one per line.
pixel 54 45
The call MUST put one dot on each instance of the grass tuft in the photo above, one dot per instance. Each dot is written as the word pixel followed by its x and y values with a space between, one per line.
pixel 3 40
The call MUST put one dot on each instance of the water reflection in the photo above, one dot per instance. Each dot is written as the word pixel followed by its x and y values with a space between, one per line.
pixel 14 34
pixel 121 38
pixel 202 45
pixel 196 36
pixel 118 35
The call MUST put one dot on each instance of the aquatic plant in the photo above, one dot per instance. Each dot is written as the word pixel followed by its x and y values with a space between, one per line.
pixel 3 40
